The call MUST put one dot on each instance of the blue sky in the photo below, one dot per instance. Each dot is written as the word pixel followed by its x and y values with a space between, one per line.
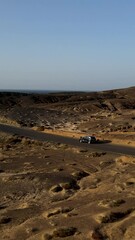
pixel 67 44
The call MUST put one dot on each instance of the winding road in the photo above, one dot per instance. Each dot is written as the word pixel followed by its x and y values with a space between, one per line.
pixel 40 136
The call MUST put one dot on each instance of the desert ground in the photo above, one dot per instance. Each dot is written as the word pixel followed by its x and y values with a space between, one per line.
pixel 55 191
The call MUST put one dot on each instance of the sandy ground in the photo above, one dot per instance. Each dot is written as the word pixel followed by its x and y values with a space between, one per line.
pixel 53 191
pixel 56 192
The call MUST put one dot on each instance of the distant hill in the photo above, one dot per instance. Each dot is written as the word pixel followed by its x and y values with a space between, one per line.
pixel 90 101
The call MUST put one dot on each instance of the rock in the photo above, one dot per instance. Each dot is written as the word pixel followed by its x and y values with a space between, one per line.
pixel 64 232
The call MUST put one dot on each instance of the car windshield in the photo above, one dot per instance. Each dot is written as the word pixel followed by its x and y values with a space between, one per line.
pixel 89 137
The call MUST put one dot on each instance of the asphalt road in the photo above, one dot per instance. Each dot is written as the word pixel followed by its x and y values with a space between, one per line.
pixel 40 136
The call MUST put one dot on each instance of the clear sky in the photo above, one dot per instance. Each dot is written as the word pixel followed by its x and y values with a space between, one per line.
pixel 67 44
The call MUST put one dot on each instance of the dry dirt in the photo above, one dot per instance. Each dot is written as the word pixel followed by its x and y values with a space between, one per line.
pixel 53 191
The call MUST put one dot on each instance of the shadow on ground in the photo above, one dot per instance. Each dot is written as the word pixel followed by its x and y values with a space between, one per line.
pixel 104 141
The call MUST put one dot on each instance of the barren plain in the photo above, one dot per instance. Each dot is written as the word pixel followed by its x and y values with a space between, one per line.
pixel 55 191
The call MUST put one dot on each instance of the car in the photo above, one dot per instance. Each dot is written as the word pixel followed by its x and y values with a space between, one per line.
pixel 88 139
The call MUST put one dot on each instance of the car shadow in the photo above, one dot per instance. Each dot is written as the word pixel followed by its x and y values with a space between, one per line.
pixel 104 141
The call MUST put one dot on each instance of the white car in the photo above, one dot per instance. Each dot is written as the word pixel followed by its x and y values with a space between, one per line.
pixel 88 139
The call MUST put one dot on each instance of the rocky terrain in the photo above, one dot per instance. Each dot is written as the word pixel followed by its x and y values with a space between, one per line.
pixel 53 191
